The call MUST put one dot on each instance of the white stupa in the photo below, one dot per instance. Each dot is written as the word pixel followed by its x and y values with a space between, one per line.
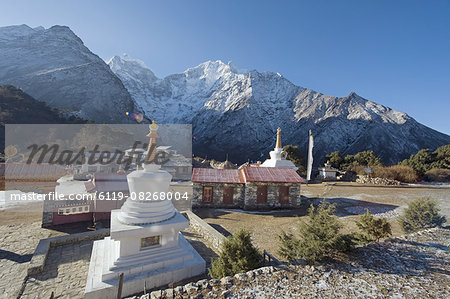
pixel 277 159
pixel 145 241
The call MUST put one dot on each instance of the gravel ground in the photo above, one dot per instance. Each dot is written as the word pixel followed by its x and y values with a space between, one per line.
pixel 351 200
pixel 416 266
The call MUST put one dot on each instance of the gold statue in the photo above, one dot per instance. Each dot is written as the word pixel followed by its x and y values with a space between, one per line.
pixel 278 144
pixel 151 150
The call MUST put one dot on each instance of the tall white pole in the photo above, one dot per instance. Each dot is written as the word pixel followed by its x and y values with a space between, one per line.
pixel 310 156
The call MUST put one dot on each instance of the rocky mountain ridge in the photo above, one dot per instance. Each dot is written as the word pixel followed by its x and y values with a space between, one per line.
pixel 233 111
pixel 53 65
pixel 17 107
pixel 237 112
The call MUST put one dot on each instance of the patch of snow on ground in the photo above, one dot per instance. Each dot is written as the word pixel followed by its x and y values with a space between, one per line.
pixel 8 198
pixel 251 212
pixel 376 211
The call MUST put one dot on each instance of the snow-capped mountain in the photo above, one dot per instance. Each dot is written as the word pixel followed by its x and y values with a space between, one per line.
pixel 237 112
pixel 54 66
pixel 233 111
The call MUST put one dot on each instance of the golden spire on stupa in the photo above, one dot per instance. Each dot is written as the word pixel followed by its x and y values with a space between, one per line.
pixel 151 151
pixel 278 144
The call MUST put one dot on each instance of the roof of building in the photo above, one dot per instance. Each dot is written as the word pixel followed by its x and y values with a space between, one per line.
pixel 32 171
pixel 108 182
pixel 66 185
pixel 163 147
pixel 110 176
pixel 223 165
pixel 110 186
pixel 212 175
pixel 270 175
pixel 246 174
pixel 177 160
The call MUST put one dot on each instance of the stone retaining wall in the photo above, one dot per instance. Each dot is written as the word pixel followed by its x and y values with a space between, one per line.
pixel 363 179
pixel 194 289
pixel 40 254
pixel 207 231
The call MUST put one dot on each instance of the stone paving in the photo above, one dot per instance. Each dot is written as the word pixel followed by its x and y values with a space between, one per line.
pixel 17 244
pixel 65 271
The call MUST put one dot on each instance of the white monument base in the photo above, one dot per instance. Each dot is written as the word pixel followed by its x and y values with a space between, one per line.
pixel 152 267
pixel 145 243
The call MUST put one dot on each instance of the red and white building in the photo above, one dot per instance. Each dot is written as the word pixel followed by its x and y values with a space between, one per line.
pixel 248 187
pixel 273 184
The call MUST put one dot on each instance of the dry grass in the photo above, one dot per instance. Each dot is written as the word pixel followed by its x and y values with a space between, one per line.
pixel 438 175
pixel 400 173
pixel 265 228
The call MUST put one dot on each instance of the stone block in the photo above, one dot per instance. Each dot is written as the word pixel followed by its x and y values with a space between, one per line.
pixel 203 283
pixel 168 293
pixel 214 282
pixel 227 280
pixel 191 287
pixel 156 294
pixel 240 276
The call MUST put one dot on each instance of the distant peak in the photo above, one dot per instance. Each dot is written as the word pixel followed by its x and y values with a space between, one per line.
pixel 217 66
pixel 14 31
pixel 17 27
pixel 61 28
pixel 125 58
pixel 124 63
pixel 236 69
pixel 212 63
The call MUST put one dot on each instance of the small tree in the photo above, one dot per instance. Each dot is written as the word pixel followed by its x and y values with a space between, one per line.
pixel 421 213
pixel 348 161
pixel 238 255
pixel 320 236
pixel 420 162
pixel 293 153
pixel 335 159
pixel 373 229
pixel 367 158
pixel 289 248
pixel 442 156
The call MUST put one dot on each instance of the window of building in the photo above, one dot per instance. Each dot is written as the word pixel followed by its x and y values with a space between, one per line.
pixel 73 210
pixel 283 194
pixel 150 241
pixel 207 194
pixel 261 194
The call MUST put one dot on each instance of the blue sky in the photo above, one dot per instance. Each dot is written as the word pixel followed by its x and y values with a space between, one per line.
pixel 396 53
